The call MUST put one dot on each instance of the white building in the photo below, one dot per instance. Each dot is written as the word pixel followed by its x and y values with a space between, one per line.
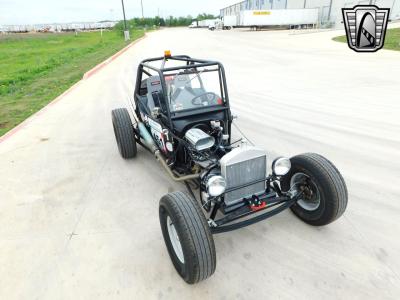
pixel 329 10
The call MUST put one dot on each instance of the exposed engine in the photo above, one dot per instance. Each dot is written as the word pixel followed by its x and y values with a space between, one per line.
pixel 204 136
pixel 225 166
pixel 205 143
pixel 199 139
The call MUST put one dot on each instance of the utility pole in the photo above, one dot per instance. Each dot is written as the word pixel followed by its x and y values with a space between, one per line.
pixel 394 2
pixel 141 3
pixel 126 31
pixel 329 12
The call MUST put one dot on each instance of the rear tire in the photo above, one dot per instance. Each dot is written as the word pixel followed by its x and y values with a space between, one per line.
pixel 187 236
pixel 325 192
pixel 124 134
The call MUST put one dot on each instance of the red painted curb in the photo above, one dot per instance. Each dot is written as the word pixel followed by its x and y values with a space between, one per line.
pixel 88 74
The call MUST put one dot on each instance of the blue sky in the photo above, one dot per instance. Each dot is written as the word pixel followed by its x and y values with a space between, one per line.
pixel 48 11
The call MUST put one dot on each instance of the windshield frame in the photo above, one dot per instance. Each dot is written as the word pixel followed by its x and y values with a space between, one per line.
pixel 199 80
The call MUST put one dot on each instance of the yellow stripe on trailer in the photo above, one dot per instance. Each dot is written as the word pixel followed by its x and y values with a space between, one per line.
pixel 261 13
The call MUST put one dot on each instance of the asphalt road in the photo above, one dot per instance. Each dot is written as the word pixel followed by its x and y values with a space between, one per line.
pixel 79 222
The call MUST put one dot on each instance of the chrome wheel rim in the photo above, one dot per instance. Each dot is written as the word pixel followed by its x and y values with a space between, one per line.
pixel 174 238
pixel 311 199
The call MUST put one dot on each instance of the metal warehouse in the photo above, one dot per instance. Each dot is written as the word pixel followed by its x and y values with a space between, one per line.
pixel 329 11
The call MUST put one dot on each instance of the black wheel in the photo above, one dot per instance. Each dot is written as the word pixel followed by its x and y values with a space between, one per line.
pixel 123 131
pixel 324 196
pixel 187 236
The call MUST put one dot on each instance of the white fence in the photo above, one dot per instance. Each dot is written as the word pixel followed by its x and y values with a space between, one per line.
pixel 57 27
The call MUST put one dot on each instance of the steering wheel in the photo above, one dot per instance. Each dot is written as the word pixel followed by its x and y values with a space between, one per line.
pixel 199 100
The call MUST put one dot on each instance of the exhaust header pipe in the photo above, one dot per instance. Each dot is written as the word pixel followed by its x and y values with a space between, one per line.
pixel 169 171
pixel 148 141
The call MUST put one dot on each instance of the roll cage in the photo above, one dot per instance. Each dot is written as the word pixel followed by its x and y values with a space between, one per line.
pixel 187 63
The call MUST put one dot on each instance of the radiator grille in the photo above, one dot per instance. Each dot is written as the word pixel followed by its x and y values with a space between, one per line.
pixel 241 168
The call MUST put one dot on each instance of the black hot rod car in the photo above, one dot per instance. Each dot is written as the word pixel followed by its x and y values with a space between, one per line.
pixel 182 115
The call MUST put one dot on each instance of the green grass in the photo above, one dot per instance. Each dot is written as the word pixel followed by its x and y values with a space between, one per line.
pixel 392 39
pixel 36 68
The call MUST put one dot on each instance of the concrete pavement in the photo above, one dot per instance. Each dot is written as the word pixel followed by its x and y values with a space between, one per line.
pixel 79 222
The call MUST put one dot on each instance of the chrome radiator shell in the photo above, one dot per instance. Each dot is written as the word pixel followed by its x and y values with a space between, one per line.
pixel 241 166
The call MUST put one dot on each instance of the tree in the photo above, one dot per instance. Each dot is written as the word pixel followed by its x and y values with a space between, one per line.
pixel 171 21
pixel 205 16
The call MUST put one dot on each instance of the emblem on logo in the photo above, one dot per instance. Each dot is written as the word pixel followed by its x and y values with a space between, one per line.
pixel 365 27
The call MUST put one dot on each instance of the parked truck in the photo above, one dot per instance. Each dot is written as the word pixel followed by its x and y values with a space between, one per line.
pixel 203 23
pixel 226 23
pixel 278 17
pixel 274 17
pixel 207 23
pixel 195 24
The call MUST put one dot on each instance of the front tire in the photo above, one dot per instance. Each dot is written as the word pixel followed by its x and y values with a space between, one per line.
pixel 324 190
pixel 187 236
pixel 124 134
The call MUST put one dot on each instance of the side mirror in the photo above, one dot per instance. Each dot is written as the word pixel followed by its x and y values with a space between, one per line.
pixel 234 116
pixel 156 112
